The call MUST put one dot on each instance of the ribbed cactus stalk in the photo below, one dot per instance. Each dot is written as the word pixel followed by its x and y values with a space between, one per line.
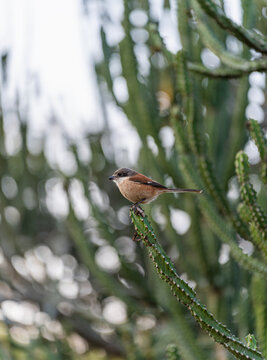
pixel 257 219
pixel 172 352
pixel 261 143
pixel 186 295
pixel 259 289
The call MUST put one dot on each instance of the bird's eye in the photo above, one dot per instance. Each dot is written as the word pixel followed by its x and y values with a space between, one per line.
pixel 119 174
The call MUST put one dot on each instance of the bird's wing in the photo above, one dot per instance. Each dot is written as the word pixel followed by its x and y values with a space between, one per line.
pixel 142 179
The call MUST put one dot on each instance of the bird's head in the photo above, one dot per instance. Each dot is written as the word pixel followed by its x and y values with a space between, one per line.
pixel 121 174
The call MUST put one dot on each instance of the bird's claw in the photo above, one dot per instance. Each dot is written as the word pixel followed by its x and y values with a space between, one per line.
pixel 138 210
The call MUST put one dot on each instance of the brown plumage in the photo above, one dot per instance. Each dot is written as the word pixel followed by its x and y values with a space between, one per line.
pixel 139 188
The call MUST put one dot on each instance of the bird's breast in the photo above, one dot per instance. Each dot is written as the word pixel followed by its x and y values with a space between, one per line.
pixel 136 192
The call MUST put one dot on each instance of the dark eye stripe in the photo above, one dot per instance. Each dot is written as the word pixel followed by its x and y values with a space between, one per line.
pixel 122 174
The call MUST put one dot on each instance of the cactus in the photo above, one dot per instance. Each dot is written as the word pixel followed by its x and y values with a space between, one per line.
pixel 187 295
pixel 190 116
pixel 261 143
pixel 249 37
pixel 172 352
pixel 259 304
pixel 258 220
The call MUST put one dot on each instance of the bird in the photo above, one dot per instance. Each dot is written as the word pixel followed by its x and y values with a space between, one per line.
pixel 140 189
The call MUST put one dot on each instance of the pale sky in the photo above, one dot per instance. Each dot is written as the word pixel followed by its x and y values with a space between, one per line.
pixel 51 62
pixel 53 46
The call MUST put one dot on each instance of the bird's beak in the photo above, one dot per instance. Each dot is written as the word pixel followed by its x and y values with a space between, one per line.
pixel 111 177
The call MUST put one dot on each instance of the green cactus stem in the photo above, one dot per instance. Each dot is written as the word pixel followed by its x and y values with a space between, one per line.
pixel 248 195
pixel 186 295
pixel 172 352
pixel 257 136
pixel 258 291
pixel 249 37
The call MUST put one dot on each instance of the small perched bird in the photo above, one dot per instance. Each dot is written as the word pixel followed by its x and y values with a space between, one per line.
pixel 140 189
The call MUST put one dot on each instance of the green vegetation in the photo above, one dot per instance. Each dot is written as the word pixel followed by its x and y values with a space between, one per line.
pixel 74 284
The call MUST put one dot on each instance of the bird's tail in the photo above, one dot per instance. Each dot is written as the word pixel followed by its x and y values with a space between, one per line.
pixel 183 191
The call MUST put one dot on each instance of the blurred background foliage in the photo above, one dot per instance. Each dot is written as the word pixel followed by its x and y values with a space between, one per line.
pixel 73 283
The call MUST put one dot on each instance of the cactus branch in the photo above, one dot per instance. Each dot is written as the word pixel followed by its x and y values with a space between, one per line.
pixel 258 220
pixel 225 72
pixel 186 295
pixel 217 223
pixel 249 37
pixel 261 142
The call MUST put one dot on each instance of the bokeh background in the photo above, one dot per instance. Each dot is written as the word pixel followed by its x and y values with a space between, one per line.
pixel 75 106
